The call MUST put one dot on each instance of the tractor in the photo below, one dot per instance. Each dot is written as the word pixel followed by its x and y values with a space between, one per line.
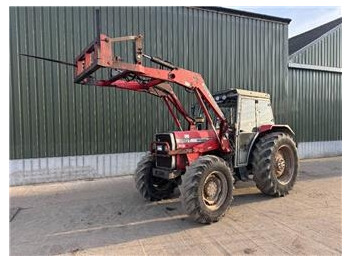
pixel 205 173
pixel 233 135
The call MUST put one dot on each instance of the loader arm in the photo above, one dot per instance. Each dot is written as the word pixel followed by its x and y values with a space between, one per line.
pixel 155 81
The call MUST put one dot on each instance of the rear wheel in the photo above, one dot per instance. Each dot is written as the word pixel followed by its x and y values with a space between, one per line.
pixel 206 189
pixel 275 164
pixel 150 187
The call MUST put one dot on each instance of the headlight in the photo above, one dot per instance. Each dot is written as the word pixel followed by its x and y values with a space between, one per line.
pixel 159 148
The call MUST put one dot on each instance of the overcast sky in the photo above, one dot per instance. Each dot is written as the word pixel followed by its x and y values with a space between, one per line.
pixel 303 18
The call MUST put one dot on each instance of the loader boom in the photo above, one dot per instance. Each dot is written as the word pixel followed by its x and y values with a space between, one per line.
pixel 155 81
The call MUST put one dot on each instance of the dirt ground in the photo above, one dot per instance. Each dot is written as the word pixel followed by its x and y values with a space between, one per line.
pixel 108 217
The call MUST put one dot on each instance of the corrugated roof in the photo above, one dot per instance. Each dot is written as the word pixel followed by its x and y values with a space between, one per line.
pixel 244 13
pixel 298 42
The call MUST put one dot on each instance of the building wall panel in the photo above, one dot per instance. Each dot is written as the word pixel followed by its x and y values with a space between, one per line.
pixel 325 51
pixel 50 116
pixel 316 104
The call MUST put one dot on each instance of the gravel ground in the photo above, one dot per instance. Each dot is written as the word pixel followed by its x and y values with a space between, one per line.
pixel 108 217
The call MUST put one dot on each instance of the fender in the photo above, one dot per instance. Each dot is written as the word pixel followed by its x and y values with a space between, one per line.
pixel 272 128
pixel 264 129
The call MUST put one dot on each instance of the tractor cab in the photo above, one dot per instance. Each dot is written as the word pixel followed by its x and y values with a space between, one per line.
pixel 245 112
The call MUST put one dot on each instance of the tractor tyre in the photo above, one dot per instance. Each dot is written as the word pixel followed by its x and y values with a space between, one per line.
pixel 275 164
pixel 206 189
pixel 150 187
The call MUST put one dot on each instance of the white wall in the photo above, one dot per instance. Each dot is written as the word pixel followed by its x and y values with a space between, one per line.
pixel 57 169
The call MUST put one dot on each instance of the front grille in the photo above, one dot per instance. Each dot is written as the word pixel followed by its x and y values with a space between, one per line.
pixel 165 161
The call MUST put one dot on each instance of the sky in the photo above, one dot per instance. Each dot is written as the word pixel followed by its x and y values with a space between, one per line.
pixel 303 18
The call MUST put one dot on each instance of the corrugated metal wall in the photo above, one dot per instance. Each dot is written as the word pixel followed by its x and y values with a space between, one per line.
pixel 326 51
pixel 317 105
pixel 50 116
pixel 316 112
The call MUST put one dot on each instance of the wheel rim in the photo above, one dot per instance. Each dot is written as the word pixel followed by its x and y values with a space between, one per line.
pixel 284 164
pixel 214 190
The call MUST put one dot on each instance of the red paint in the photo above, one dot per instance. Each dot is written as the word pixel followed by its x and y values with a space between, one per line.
pixel 265 128
pixel 192 157
pixel 191 138
pixel 181 162
pixel 189 144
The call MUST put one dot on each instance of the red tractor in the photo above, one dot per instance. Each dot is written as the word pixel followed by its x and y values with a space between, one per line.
pixel 232 137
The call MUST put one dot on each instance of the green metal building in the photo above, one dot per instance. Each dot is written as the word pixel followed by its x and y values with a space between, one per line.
pixel 315 86
pixel 59 129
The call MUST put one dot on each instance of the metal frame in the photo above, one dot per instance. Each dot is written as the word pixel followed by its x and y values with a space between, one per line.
pixel 315 67
pixel 155 81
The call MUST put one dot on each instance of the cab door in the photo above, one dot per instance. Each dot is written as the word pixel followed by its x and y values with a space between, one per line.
pixel 246 129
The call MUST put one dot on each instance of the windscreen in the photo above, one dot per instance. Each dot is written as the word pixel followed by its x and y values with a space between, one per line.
pixel 229 108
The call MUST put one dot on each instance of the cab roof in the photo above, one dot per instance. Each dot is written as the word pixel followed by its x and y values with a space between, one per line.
pixel 242 92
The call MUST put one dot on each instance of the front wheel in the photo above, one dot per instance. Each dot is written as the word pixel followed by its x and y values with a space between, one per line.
pixel 206 189
pixel 152 188
pixel 275 164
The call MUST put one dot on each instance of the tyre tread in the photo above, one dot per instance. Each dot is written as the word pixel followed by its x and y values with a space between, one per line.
pixel 189 189
pixel 262 164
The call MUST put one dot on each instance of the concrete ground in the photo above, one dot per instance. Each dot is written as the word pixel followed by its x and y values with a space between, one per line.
pixel 108 217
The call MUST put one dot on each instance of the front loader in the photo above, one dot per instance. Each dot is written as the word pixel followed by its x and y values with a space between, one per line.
pixel 232 137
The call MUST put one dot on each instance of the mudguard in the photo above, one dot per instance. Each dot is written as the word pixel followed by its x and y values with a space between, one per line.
pixel 263 129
